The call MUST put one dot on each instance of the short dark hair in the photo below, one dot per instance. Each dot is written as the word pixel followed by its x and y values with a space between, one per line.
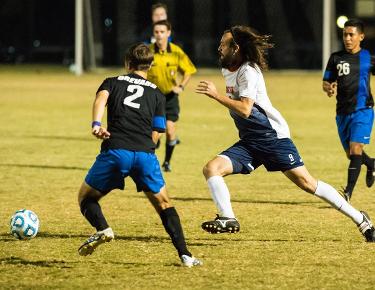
pixel 356 23
pixel 163 22
pixel 253 46
pixel 159 5
pixel 139 56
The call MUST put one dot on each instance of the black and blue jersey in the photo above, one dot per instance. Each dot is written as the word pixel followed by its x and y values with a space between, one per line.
pixel 352 73
pixel 135 108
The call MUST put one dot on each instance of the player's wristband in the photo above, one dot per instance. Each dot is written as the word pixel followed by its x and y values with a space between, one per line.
pixel 95 123
pixel 182 87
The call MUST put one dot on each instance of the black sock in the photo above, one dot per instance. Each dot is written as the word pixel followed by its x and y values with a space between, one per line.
pixel 169 147
pixel 172 225
pixel 367 160
pixel 353 171
pixel 92 211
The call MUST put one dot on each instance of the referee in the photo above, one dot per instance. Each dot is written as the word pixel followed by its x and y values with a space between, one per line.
pixel 170 71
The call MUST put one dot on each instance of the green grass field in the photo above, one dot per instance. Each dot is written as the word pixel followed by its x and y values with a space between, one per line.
pixel 289 239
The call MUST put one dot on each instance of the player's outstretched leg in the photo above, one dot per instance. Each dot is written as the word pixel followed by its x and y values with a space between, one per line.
pixel 172 225
pixel 88 201
pixel 225 222
pixel 302 178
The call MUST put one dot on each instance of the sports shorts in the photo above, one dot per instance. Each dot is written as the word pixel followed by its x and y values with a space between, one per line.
pixel 275 155
pixel 172 107
pixel 355 127
pixel 111 167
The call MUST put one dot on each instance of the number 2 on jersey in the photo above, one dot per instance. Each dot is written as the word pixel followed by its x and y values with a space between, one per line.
pixel 137 93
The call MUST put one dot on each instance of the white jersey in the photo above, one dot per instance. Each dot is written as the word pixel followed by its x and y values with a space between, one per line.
pixel 264 122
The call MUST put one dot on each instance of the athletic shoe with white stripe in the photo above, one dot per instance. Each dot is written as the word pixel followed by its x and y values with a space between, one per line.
pixel 366 228
pixel 221 225
pixel 100 237
pixel 189 262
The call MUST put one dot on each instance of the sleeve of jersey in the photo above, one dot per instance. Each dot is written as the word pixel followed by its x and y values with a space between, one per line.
pixel 247 81
pixel 185 64
pixel 330 72
pixel 158 121
pixel 106 85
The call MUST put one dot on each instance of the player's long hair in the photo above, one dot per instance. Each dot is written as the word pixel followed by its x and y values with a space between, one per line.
pixel 139 56
pixel 253 46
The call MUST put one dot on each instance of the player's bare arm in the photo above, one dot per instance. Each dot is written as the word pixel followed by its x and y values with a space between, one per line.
pixel 242 106
pixel 330 88
pixel 98 109
pixel 155 136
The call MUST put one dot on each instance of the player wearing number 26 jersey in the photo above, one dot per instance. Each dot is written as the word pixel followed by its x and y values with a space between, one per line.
pixel 348 73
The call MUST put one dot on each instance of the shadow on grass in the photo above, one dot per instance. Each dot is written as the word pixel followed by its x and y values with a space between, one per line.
pixel 250 201
pixel 5 237
pixel 19 261
pixel 65 138
pixel 43 166
pixel 239 200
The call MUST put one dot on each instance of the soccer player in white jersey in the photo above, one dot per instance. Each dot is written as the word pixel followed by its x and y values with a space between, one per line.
pixel 264 134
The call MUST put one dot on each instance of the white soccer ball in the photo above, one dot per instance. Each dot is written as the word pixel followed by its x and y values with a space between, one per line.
pixel 24 224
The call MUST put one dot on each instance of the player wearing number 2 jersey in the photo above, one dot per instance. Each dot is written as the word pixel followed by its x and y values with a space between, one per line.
pixel 135 117
pixel 348 75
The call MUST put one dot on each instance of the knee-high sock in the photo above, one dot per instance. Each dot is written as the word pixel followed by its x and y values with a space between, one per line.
pixel 92 211
pixel 169 147
pixel 354 170
pixel 172 225
pixel 367 160
pixel 221 196
pixel 330 195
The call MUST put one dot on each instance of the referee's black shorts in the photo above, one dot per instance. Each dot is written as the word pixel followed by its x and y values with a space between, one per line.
pixel 172 107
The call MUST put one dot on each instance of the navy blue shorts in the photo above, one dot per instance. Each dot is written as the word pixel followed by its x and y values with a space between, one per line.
pixel 275 155
pixel 112 166
pixel 355 127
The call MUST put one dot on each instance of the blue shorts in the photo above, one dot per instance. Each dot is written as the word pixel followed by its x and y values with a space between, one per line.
pixel 355 127
pixel 275 155
pixel 112 166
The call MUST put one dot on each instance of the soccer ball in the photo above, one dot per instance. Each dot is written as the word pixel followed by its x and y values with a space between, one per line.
pixel 24 224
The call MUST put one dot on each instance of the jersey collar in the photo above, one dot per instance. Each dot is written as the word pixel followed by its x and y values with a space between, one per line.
pixel 157 50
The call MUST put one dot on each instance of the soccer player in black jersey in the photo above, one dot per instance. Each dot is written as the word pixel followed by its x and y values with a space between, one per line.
pixel 348 76
pixel 135 117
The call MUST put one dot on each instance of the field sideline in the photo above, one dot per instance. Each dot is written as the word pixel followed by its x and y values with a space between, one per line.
pixel 288 240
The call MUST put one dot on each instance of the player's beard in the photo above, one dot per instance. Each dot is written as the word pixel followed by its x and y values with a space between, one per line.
pixel 226 61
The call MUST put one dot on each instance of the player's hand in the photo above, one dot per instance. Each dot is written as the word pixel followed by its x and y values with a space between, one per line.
pixel 177 90
pixel 100 132
pixel 207 88
pixel 330 88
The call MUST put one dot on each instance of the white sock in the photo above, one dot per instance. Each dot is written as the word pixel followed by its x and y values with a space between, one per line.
pixel 220 195
pixel 330 195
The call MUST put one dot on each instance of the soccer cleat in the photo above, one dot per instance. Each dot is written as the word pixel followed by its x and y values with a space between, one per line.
pixel 190 261
pixel 166 167
pixel 89 246
pixel 366 228
pixel 221 225
pixel 370 175
pixel 346 194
